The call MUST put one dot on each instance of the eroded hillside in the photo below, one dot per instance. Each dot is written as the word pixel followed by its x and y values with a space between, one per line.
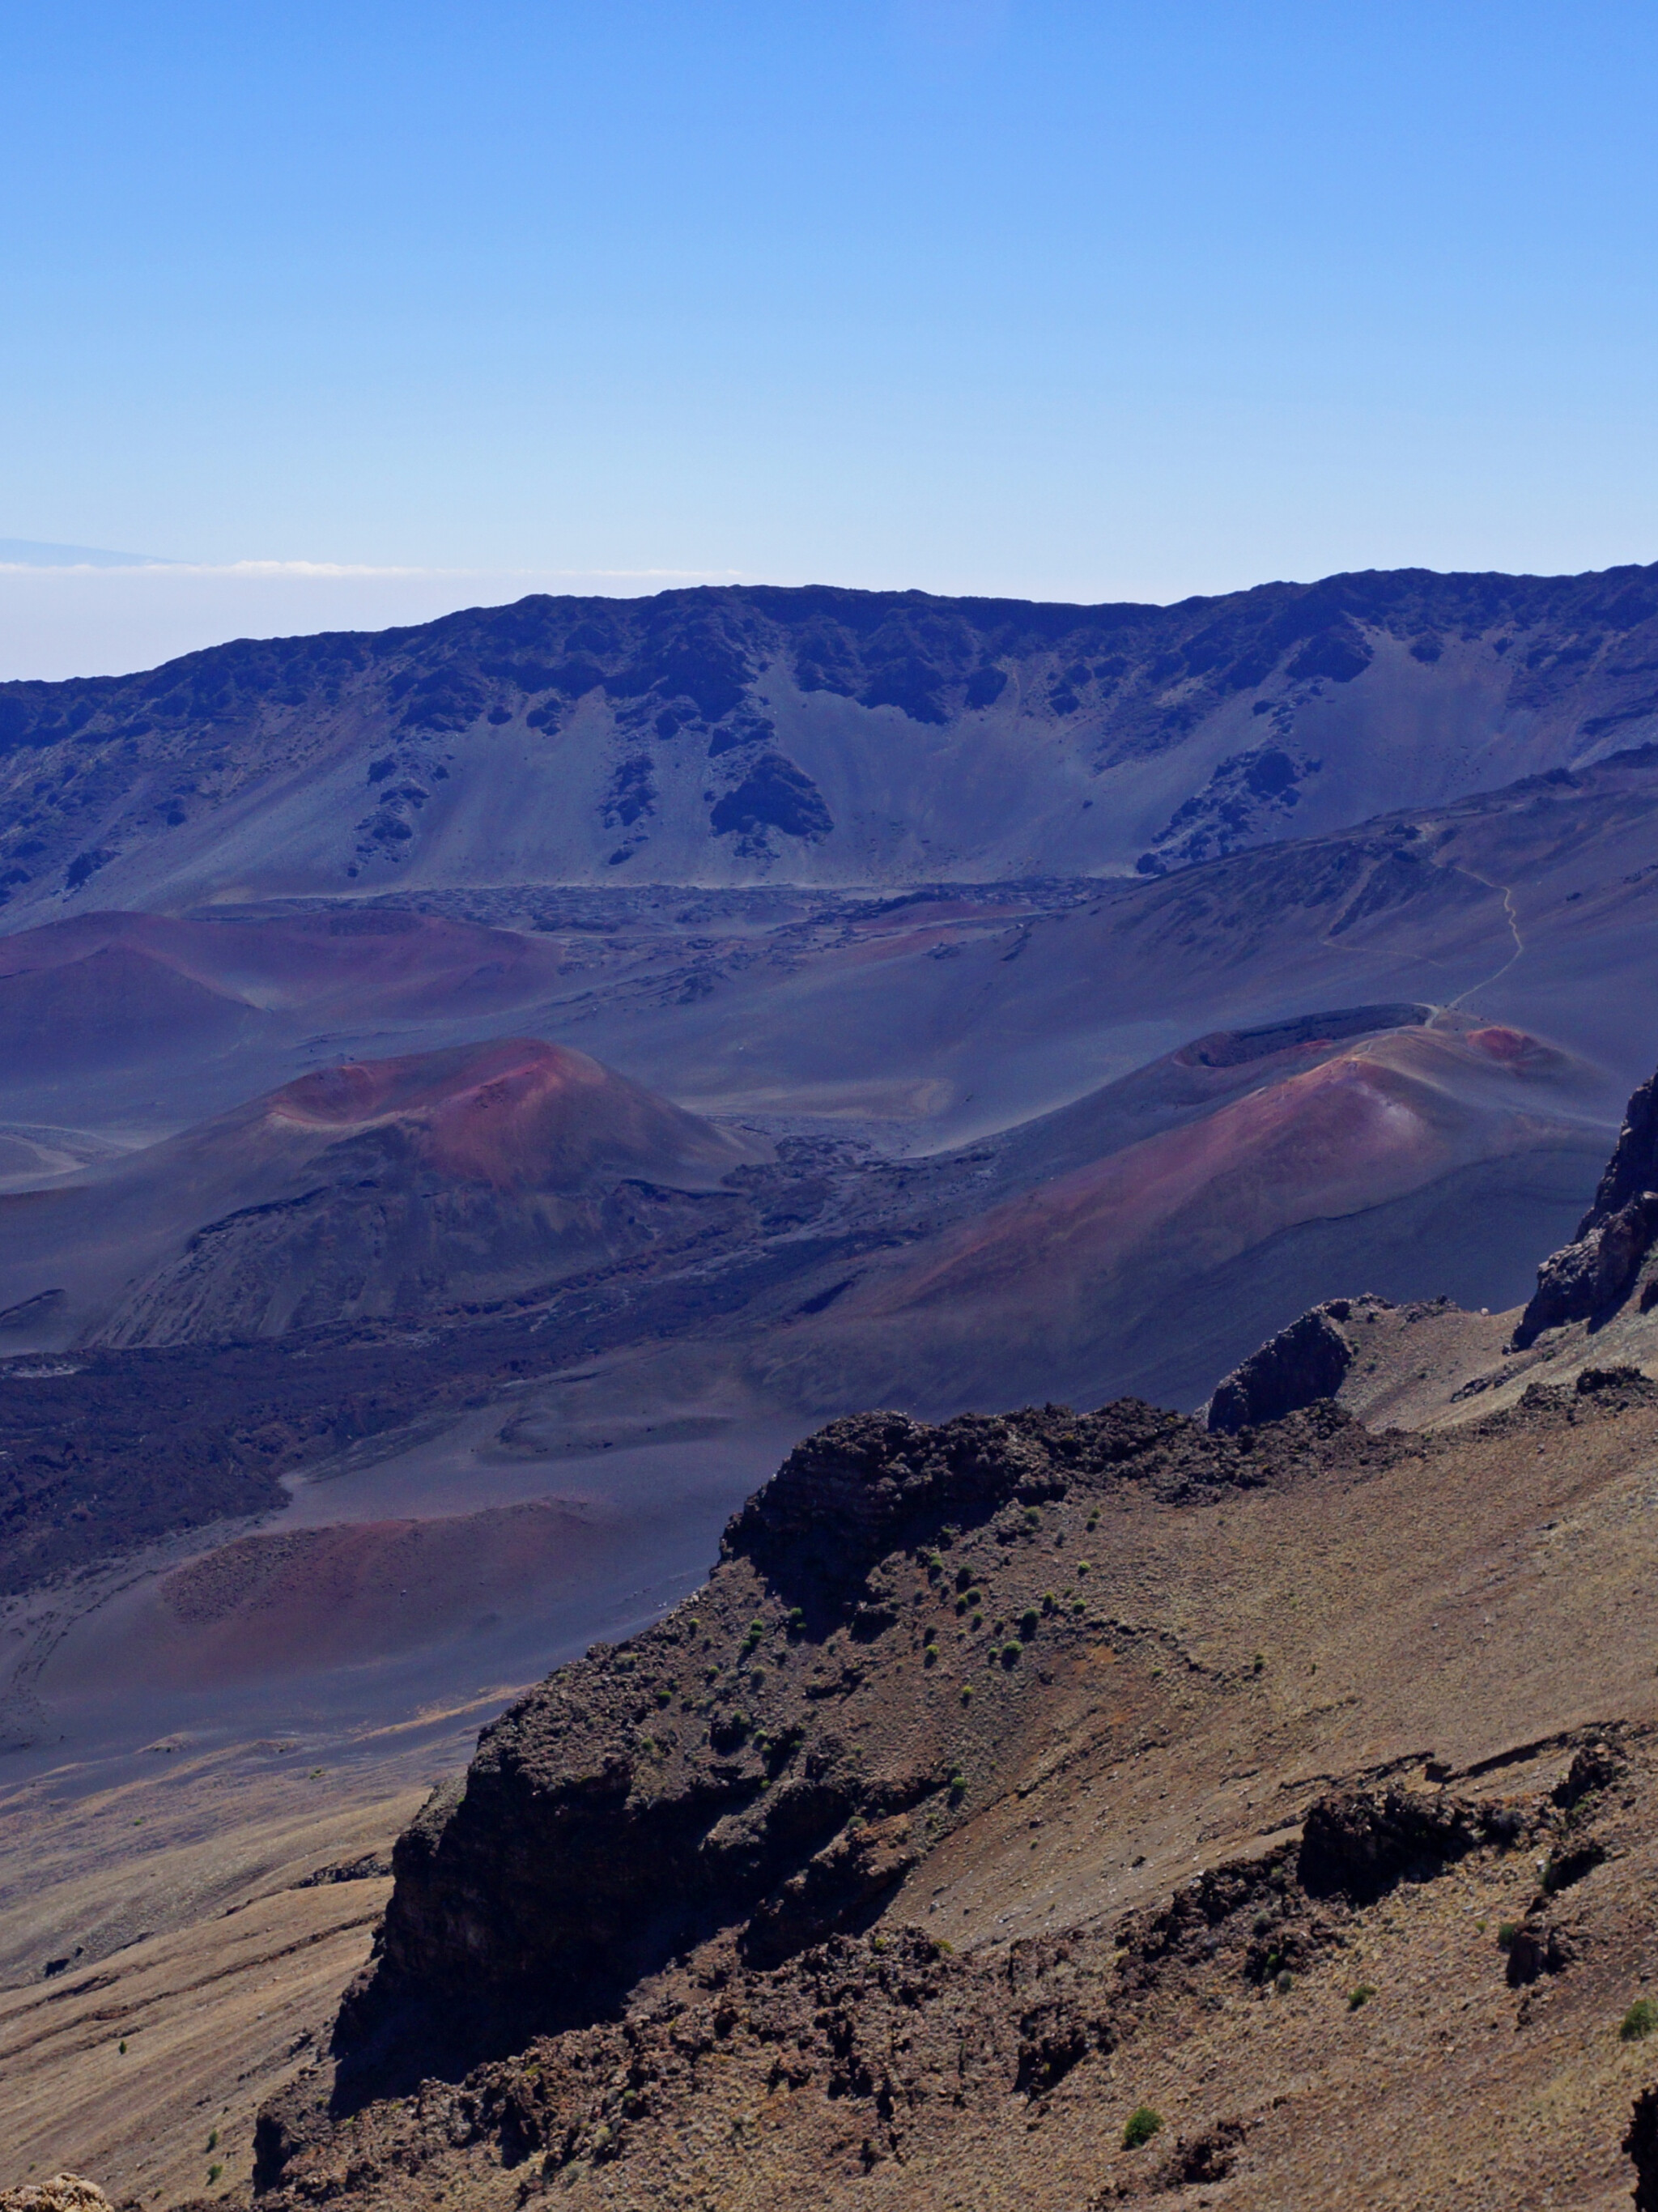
pixel 737 734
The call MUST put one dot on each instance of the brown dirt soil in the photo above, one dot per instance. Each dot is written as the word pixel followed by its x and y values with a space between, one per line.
pixel 177 1912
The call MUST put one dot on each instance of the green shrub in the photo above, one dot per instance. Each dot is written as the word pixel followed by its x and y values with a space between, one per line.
pixel 1359 1997
pixel 1029 1621
pixel 213 2173
pixel 1506 1930
pixel 1638 2021
pixel 1140 2126
pixel 212 2140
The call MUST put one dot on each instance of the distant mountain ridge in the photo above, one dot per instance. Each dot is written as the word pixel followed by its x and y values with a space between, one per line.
pixel 744 734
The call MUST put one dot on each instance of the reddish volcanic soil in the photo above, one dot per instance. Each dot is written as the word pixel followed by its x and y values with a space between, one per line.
pixel 323 963
pixel 1120 1235
pixel 291 1602
pixel 514 1113
pixel 365 1188
pixel 1360 1129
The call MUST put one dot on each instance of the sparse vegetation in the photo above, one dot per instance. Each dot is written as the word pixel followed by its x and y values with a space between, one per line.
pixel 1140 2126
pixel 1357 1999
pixel 1284 1982
pixel 1506 1930
pixel 212 2140
pixel 1639 2022
pixel 213 2173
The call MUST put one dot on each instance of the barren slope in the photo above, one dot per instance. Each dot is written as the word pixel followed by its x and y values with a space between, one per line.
pixel 733 735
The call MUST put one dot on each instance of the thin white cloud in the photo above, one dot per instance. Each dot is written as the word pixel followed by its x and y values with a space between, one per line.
pixel 164 571
pixel 90 618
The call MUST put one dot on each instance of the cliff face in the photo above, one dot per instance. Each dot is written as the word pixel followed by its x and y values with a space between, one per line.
pixel 1590 1278
pixel 781 1750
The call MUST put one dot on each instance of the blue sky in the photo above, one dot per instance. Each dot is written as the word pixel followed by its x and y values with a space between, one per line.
pixel 1011 296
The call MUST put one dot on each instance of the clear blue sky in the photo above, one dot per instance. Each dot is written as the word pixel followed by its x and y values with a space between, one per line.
pixel 1081 301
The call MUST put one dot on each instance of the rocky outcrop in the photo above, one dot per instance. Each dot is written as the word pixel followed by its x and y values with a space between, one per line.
pixel 1361 1844
pixel 1590 1278
pixel 775 1755
pixel 1300 1365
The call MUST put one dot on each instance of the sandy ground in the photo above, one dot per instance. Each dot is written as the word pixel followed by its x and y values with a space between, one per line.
pixel 163 1969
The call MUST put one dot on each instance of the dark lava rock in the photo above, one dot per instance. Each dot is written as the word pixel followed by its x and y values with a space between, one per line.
pixel 1360 1844
pixel 1300 1365
pixel 1594 1767
pixel 1589 1278
pixel 1535 1952
pixel 1640 2144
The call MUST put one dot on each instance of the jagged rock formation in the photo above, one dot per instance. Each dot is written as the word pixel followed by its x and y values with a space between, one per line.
pixel 1593 1275
pixel 866 2056
pixel 1296 1368
pixel 708 1773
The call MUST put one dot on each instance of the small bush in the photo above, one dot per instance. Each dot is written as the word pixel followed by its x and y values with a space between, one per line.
pixel 1506 1930
pixel 1285 1982
pixel 1010 1655
pixel 213 2173
pixel 1140 2126
pixel 1360 1997
pixel 1029 1622
pixel 1638 2021
pixel 1260 1663
pixel 213 2142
